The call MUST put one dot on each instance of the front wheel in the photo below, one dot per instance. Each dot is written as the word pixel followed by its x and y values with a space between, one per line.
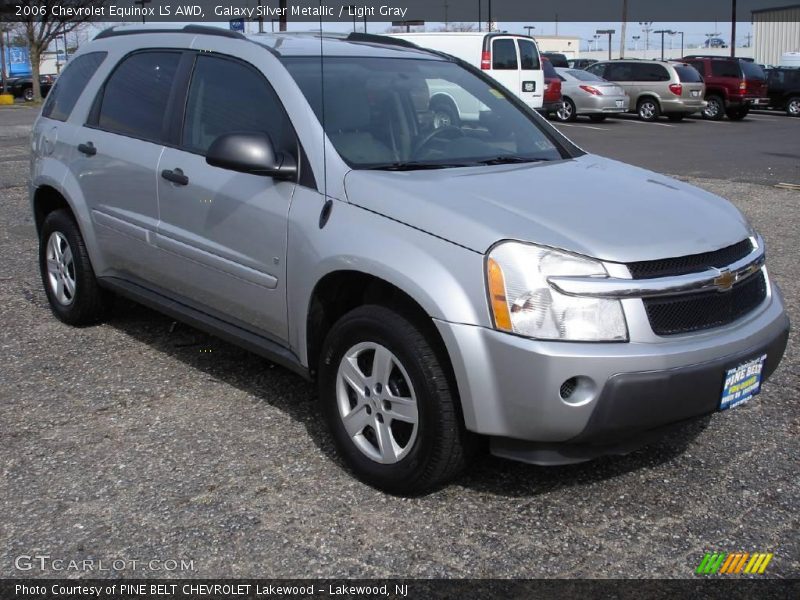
pixel 28 94
pixel 648 109
pixel 389 403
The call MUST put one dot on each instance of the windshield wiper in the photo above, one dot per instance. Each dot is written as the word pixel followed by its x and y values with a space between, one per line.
pixel 415 166
pixel 509 159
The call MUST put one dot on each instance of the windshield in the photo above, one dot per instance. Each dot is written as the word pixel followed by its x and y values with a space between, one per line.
pixel 398 113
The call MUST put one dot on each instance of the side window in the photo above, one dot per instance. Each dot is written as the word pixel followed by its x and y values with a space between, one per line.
pixel 226 96
pixel 725 68
pixel 649 72
pixel 619 72
pixel 135 97
pixel 528 56
pixel 68 88
pixel 504 55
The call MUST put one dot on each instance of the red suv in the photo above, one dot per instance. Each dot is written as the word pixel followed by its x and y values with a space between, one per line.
pixel 733 85
pixel 552 88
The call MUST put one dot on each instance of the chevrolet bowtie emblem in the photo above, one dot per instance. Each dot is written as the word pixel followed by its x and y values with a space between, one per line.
pixel 725 281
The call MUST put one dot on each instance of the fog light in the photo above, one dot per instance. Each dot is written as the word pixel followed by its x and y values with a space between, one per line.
pixel 578 390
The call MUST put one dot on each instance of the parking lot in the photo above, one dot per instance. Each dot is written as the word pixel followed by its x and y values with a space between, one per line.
pixel 141 439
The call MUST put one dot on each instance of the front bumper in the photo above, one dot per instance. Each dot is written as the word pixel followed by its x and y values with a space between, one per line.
pixel 510 385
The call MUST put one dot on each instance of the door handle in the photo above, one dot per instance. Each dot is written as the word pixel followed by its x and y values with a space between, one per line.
pixel 175 176
pixel 88 149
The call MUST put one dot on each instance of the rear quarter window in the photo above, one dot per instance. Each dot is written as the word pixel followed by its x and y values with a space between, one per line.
pixel 69 86
pixel 504 55
pixel 725 68
pixel 688 74
pixel 752 70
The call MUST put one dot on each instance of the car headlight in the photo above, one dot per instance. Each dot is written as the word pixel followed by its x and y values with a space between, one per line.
pixel 522 301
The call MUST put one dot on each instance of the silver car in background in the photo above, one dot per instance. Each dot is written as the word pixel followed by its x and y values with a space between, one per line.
pixel 587 94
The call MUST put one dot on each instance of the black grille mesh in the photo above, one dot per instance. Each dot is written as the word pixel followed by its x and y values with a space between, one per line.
pixel 704 310
pixel 693 263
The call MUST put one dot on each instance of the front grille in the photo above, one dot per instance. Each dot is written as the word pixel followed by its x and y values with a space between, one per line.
pixel 704 310
pixel 694 263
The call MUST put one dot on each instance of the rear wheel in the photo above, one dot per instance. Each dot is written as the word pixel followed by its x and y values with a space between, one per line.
pixel 597 118
pixel 737 114
pixel 67 274
pixel 715 108
pixel 566 111
pixel 389 404
pixel 793 106
pixel 648 109
pixel 28 94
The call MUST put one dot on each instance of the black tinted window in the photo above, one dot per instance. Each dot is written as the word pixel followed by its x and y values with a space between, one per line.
pixel 597 69
pixel 698 64
pixel 135 96
pixel 752 70
pixel 62 98
pixel 649 72
pixel 688 74
pixel 528 55
pixel 725 68
pixel 227 96
pixel 504 55
pixel 619 72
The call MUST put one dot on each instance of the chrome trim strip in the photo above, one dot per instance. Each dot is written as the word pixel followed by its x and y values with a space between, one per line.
pixel 614 287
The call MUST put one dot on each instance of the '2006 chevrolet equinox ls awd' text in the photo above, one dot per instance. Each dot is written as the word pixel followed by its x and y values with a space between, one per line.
pixel 441 282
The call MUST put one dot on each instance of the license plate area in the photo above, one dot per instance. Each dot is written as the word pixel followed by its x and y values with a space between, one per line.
pixel 695 93
pixel 742 382
pixel 619 103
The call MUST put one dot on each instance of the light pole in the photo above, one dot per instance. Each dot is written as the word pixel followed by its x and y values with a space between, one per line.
pixel 636 39
pixel 681 34
pixel 609 33
pixel 595 36
pixel 530 28
pixel 646 29
pixel 662 32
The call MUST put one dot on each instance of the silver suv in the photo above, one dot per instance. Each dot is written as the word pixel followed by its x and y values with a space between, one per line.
pixel 442 285
pixel 656 88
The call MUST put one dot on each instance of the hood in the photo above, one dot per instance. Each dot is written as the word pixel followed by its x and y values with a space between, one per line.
pixel 590 205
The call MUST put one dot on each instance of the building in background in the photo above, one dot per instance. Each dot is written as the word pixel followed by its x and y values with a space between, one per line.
pixel 569 46
pixel 775 31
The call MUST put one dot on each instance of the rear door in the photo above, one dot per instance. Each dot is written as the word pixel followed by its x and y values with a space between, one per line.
pixel 531 88
pixel 692 86
pixel 116 156
pixel 223 233
pixel 505 62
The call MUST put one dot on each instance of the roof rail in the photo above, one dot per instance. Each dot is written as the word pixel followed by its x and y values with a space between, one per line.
pixel 196 29
pixel 374 38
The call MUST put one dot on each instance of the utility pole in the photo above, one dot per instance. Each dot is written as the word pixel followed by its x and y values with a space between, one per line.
pixel 282 17
pixel 142 3
pixel 260 19
pixel 623 28
pixel 733 28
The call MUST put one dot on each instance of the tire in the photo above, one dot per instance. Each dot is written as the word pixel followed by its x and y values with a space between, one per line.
pixel 737 114
pixel 597 118
pixel 27 94
pixel 793 106
pixel 67 275
pixel 715 109
pixel 676 117
pixel 425 448
pixel 567 112
pixel 648 109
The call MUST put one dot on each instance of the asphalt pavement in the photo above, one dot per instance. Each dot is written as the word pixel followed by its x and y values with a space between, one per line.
pixel 142 440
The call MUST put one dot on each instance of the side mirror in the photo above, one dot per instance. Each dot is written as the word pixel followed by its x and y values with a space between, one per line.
pixel 250 153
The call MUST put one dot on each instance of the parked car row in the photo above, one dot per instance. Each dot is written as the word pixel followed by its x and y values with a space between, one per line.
pixel 22 87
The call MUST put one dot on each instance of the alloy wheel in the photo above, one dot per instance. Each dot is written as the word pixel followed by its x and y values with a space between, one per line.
pixel 377 403
pixel 793 108
pixel 61 268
